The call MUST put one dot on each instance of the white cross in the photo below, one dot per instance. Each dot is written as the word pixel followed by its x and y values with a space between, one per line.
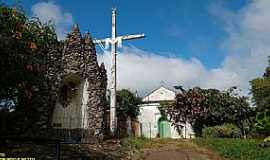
pixel 115 41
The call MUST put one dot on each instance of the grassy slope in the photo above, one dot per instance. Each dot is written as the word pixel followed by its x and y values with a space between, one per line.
pixel 237 149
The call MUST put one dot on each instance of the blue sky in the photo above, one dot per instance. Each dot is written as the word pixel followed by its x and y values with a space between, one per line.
pixel 182 28
pixel 206 43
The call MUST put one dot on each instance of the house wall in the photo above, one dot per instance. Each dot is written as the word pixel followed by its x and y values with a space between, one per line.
pixel 149 119
pixel 160 94
pixel 150 115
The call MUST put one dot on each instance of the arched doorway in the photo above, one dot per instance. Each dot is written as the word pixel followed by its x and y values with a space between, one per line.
pixel 164 128
pixel 69 111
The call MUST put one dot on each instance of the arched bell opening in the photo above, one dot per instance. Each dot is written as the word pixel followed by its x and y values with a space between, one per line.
pixel 69 111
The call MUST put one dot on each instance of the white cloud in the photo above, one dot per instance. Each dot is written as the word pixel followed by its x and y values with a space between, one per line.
pixel 143 71
pixel 49 11
pixel 247 49
pixel 248 41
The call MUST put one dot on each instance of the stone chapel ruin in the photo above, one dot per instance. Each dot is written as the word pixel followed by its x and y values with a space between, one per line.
pixel 78 90
pixel 80 102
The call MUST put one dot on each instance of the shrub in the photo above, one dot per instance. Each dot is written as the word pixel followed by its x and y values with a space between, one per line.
pixel 226 130
pixel 236 149
pixel 210 132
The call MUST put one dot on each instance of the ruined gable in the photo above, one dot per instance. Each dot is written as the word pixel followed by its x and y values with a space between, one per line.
pixel 75 91
pixel 80 60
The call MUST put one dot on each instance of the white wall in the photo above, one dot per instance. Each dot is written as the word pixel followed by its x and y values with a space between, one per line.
pixel 149 117
pixel 85 98
pixel 160 94
pixel 73 115
pixel 150 114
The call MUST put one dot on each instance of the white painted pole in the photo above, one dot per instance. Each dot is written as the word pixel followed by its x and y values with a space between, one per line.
pixel 114 41
pixel 113 122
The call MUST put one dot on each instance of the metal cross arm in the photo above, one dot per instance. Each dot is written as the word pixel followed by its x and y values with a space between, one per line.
pixel 123 37
pixel 132 36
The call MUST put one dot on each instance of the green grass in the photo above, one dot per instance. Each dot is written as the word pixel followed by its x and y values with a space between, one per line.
pixel 138 143
pixel 236 149
pixel 132 143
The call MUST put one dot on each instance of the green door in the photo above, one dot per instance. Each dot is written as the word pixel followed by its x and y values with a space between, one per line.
pixel 164 129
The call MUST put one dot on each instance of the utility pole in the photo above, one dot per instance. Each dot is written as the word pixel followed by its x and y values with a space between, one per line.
pixel 115 41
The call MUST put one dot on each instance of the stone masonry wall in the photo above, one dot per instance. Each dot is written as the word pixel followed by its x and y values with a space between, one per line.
pixel 78 57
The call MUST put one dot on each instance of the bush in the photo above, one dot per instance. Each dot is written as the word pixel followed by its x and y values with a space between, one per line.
pixel 226 130
pixel 210 132
pixel 236 149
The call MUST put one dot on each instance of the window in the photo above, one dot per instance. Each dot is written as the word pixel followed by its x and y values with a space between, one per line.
pixel 67 91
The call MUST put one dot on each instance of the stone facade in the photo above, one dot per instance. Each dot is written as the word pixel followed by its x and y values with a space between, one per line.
pixel 77 62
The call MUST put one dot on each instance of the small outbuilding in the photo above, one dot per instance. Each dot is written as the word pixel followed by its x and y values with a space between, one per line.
pixel 153 124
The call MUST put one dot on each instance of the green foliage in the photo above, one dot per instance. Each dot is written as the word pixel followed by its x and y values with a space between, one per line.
pixel 127 104
pixel 24 46
pixel 209 107
pixel 210 132
pixel 263 122
pixel 226 130
pixel 260 88
pixel 236 149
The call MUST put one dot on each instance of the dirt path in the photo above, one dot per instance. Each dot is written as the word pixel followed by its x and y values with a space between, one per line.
pixel 175 150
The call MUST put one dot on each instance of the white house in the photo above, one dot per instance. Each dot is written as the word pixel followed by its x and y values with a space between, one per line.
pixel 152 124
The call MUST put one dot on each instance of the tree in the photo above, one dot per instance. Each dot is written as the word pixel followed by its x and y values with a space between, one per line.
pixel 260 88
pixel 208 107
pixel 127 104
pixel 24 47
pixel 127 107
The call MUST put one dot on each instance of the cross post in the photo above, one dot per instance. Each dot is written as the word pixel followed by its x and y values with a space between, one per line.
pixel 114 42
